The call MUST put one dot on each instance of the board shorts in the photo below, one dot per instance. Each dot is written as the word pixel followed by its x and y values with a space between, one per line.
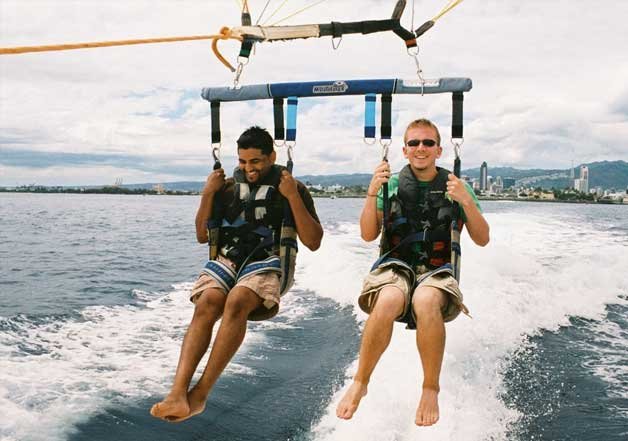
pixel 393 272
pixel 263 278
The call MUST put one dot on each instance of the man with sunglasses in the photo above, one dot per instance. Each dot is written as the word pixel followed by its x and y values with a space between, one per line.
pixel 413 281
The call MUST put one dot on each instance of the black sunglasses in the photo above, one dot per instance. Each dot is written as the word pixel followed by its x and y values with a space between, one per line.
pixel 417 142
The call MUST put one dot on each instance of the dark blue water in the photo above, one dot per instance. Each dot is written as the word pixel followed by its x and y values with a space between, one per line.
pixel 93 309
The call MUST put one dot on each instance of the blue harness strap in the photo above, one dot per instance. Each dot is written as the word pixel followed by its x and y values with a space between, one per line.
pixel 272 264
pixel 369 115
pixel 291 119
pixel 222 273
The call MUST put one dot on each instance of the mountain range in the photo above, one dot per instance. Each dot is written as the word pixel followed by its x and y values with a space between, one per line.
pixel 605 174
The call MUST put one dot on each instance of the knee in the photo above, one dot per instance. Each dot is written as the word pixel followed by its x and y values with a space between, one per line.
pixel 428 301
pixel 238 306
pixel 209 306
pixel 389 305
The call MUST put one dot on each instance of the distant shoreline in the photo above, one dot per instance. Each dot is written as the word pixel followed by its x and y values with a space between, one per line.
pixel 144 192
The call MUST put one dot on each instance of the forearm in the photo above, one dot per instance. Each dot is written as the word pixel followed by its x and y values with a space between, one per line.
pixel 370 219
pixel 309 230
pixel 203 214
pixel 476 224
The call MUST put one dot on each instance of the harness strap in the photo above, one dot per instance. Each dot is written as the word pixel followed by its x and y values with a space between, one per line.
pixel 291 129
pixel 456 118
pixel 369 115
pixel 386 122
pixel 278 116
pixel 215 118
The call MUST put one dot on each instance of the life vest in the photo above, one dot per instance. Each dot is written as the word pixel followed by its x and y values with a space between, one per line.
pixel 430 223
pixel 254 227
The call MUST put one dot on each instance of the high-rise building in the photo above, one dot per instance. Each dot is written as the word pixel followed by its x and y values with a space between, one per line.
pixel 584 178
pixel 484 176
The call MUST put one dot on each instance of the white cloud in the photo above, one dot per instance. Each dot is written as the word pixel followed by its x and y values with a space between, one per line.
pixel 549 83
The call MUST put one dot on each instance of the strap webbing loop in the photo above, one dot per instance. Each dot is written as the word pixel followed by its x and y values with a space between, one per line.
pixel 280 130
pixel 291 122
pixel 457 99
pixel 369 115
pixel 215 119
pixel 386 121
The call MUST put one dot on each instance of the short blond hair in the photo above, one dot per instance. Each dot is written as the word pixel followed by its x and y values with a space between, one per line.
pixel 422 122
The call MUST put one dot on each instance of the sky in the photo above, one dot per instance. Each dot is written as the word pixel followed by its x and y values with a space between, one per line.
pixel 549 86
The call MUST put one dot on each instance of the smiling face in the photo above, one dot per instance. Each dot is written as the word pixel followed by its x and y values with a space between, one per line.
pixel 255 164
pixel 422 159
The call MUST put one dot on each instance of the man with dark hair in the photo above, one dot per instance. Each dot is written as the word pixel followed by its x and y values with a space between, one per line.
pixel 243 282
pixel 414 281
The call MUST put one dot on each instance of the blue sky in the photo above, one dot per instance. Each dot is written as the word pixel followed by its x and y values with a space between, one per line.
pixel 549 86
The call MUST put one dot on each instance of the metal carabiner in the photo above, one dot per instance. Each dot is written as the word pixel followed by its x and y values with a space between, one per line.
pixel 385 147
pixel 419 71
pixel 334 44
pixel 457 145
pixel 242 61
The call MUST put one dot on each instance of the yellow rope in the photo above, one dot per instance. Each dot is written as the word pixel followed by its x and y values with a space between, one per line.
pixel 298 12
pixel 275 12
pixel 63 47
pixel 452 4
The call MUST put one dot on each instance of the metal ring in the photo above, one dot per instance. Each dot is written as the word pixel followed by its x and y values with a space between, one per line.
pixel 365 139
pixel 283 142
pixel 412 53
pixel 290 144
pixel 336 45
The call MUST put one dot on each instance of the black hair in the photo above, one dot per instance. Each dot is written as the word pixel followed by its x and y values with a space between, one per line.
pixel 256 138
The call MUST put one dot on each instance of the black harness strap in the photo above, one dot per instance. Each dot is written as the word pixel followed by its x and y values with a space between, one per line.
pixel 247 44
pixel 457 99
pixel 215 116
pixel 278 116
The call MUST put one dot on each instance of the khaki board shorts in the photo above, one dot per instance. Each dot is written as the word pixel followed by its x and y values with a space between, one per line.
pixel 266 285
pixel 402 278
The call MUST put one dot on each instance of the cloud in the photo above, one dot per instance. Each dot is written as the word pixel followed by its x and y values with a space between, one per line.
pixel 545 91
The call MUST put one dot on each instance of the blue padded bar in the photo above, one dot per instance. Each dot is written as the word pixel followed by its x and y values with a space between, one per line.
pixel 369 115
pixel 291 119
pixel 334 88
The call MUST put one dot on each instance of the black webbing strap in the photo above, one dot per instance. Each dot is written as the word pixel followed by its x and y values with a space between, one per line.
pixel 247 44
pixel 385 132
pixel 280 130
pixel 357 27
pixel 457 99
pixel 215 114
pixel 386 122
pixel 423 28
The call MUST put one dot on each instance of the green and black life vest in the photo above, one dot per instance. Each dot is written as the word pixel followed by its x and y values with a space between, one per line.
pixel 422 215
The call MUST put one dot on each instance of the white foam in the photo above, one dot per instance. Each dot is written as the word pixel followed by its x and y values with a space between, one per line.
pixel 535 273
pixel 113 355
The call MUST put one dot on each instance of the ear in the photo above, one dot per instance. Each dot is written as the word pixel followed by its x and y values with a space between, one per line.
pixel 439 152
pixel 273 157
pixel 405 151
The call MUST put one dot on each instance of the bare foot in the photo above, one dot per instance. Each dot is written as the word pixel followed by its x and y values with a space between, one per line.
pixel 427 413
pixel 350 402
pixel 197 405
pixel 171 407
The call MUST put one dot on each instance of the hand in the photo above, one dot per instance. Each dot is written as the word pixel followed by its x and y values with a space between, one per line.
pixel 380 177
pixel 456 189
pixel 215 181
pixel 287 185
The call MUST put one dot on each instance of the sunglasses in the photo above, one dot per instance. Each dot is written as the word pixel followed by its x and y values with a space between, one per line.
pixel 417 142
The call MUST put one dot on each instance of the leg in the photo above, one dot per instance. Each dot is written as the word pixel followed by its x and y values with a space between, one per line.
pixel 208 308
pixel 377 333
pixel 240 302
pixel 427 303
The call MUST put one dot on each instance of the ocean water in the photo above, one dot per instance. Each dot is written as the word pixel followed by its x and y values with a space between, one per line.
pixel 93 308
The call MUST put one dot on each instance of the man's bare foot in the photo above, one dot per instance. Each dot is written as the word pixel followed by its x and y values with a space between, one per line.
pixel 427 413
pixel 171 407
pixel 350 402
pixel 197 401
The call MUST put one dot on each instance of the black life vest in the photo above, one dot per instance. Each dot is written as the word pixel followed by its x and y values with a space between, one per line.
pixel 428 222
pixel 256 224
pixel 251 226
